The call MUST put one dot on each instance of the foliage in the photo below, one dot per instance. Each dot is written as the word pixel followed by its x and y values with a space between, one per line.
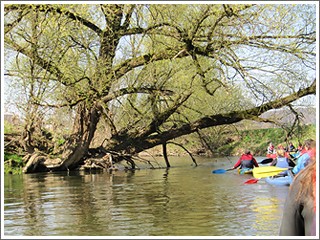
pixel 144 74
pixel 8 127
pixel 13 163
pixel 257 140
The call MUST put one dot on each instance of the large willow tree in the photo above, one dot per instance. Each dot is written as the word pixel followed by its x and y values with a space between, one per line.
pixel 150 73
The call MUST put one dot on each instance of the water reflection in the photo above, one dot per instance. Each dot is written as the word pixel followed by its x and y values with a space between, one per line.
pixel 180 201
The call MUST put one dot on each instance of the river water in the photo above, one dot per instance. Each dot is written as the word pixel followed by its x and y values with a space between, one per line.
pixel 184 200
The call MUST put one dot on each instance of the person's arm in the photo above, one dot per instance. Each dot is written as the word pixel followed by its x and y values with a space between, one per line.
pixel 300 164
pixel 255 163
pixel 274 162
pixel 237 163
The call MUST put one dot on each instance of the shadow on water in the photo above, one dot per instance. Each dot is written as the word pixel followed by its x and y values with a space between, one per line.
pixel 181 201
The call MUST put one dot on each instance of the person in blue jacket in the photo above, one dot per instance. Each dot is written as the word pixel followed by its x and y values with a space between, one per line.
pixel 303 160
pixel 281 161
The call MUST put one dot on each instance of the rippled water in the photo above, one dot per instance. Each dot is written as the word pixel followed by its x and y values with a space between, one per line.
pixel 181 201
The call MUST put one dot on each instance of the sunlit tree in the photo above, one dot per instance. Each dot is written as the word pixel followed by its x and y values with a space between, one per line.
pixel 150 73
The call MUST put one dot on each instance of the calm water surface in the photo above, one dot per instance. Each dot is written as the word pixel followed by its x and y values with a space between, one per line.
pixel 181 201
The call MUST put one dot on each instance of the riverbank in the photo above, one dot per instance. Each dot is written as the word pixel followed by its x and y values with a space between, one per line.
pixel 229 145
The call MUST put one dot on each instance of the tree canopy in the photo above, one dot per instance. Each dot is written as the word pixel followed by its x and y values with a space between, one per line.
pixel 150 73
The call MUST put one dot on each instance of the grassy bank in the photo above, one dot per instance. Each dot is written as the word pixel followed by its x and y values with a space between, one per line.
pixel 257 140
pixel 233 144
pixel 13 163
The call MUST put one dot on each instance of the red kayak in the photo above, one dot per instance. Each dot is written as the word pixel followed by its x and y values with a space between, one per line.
pixel 271 155
pixel 274 155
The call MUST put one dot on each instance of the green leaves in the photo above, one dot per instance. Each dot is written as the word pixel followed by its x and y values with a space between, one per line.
pixel 218 58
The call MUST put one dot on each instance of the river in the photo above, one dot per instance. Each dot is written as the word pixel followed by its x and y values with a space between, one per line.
pixel 185 200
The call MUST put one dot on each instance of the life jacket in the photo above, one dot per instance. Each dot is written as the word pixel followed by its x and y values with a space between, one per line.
pixel 282 162
pixel 312 154
pixel 270 149
pixel 247 161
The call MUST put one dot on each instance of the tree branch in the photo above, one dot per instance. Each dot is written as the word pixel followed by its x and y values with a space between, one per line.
pixel 221 119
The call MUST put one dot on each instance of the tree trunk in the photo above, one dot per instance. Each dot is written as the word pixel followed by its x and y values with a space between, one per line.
pixel 165 155
pixel 75 147
pixel 84 128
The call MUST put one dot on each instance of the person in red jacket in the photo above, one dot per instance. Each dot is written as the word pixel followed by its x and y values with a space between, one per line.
pixel 246 161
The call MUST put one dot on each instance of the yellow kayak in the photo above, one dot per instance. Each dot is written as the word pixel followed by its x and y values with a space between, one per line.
pixel 267 171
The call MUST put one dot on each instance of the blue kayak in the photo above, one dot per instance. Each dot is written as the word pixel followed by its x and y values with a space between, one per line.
pixel 245 171
pixel 280 181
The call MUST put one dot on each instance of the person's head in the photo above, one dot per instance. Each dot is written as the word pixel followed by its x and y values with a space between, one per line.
pixel 280 146
pixel 309 144
pixel 280 152
pixel 247 151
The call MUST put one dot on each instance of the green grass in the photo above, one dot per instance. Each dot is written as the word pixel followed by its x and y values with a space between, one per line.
pixel 13 163
pixel 257 140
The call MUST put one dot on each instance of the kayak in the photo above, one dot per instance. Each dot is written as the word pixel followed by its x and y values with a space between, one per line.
pixel 267 171
pixel 274 155
pixel 280 181
pixel 271 155
pixel 245 171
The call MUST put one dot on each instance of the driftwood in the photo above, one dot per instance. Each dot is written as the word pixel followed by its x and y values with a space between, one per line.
pixel 34 162
pixel 104 163
pixel 38 162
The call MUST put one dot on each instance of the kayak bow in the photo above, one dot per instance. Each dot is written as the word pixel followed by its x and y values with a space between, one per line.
pixel 268 171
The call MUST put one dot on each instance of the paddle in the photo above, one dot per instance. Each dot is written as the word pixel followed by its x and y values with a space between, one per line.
pixel 293 160
pixel 220 171
pixel 251 181
pixel 265 161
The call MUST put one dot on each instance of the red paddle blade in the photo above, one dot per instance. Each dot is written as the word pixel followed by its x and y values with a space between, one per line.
pixel 251 181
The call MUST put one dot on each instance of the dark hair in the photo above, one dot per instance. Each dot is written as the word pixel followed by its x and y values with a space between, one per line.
pixel 310 143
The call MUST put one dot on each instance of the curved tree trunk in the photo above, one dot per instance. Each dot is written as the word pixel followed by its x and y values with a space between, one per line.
pixel 86 123
pixel 75 147
pixel 84 128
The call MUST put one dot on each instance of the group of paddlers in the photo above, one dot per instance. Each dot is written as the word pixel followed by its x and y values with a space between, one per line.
pixel 298 158
pixel 299 214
